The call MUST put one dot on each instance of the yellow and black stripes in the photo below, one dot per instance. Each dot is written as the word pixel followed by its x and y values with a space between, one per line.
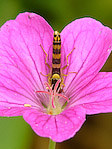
pixel 56 57
pixel 56 71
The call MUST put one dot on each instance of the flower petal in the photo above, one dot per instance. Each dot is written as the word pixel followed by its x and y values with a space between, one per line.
pixel 22 59
pixel 96 97
pixel 59 127
pixel 92 42
pixel 98 107
pixel 12 111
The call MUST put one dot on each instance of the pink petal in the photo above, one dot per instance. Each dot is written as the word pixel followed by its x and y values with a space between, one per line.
pixel 98 107
pixel 59 127
pixel 92 42
pixel 96 97
pixel 22 59
pixel 12 111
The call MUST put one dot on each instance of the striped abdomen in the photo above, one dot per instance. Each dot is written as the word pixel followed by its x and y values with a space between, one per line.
pixel 56 57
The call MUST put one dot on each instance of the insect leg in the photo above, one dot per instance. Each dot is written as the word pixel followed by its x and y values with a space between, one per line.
pixel 67 60
pixel 62 79
pixel 45 62
pixel 44 75
pixel 62 75
pixel 68 73
pixel 46 57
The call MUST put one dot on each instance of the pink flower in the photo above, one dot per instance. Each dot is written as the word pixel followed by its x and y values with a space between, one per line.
pixel 22 60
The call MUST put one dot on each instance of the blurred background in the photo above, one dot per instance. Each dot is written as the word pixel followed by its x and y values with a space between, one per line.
pixel 96 133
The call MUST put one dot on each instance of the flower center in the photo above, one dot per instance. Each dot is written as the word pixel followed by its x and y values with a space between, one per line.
pixel 54 107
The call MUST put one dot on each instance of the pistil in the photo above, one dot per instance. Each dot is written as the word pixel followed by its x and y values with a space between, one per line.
pixel 54 106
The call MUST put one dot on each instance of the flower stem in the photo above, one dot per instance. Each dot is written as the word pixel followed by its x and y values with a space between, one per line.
pixel 52 144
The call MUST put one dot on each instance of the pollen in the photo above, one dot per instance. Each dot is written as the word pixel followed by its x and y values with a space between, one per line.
pixel 27 105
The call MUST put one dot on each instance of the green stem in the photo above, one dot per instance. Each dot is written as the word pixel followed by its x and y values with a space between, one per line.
pixel 52 144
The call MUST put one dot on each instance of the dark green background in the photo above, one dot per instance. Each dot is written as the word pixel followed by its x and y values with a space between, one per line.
pixel 96 132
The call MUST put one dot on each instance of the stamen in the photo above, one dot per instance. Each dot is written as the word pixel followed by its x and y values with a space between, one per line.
pixel 47 86
pixel 66 98
pixel 43 92
pixel 53 93
pixel 53 102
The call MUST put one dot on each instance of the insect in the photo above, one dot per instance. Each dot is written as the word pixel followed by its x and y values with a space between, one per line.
pixel 56 72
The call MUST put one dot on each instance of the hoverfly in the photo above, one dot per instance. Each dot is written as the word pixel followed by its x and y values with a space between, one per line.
pixel 56 72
